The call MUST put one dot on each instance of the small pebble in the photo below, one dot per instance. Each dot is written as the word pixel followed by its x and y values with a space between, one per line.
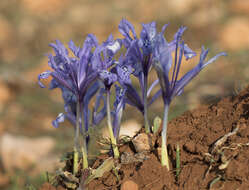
pixel 142 143
pixel 129 185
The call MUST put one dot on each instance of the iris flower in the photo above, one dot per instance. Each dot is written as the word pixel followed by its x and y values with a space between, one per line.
pixel 103 61
pixel 140 55
pixel 109 79
pixel 74 75
pixel 171 87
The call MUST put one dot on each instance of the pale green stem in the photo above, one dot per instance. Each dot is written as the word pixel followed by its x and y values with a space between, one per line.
pixel 76 140
pixel 178 161
pixel 84 154
pixel 164 158
pixel 146 121
pixel 84 144
pixel 109 123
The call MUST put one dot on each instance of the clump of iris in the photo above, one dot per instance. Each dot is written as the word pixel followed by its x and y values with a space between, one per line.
pixel 93 70
pixel 80 78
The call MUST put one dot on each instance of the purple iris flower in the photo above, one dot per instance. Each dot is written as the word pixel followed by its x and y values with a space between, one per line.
pixel 163 62
pixel 74 75
pixel 140 55
pixel 108 78
pixel 104 54
pixel 171 87
pixel 103 63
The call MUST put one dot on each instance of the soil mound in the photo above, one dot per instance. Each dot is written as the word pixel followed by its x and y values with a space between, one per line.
pixel 214 150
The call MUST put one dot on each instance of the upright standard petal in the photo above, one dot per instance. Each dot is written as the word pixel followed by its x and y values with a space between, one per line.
pixel 74 48
pixel 125 28
pixel 89 43
pixel 147 37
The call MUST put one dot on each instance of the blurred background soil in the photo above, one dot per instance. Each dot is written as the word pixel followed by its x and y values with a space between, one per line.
pixel 29 145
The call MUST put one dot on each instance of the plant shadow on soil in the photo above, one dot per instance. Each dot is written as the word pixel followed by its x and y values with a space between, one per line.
pixel 214 145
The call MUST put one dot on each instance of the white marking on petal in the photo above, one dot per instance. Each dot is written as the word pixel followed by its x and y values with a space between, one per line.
pixel 114 47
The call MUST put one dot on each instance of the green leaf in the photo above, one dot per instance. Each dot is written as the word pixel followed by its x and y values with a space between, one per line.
pixel 178 161
pixel 106 166
pixel 215 180
pixel 156 124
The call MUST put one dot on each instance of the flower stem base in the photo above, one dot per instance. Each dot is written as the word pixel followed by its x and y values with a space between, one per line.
pixel 75 161
pixel 113 143
pixel 84 158
pixel 115 149
pixel 109 123
pixel 165 158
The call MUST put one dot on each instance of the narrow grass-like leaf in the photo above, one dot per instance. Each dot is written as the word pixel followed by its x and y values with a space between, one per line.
pixel 178 161
pixel 115 170
pixel 215 180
